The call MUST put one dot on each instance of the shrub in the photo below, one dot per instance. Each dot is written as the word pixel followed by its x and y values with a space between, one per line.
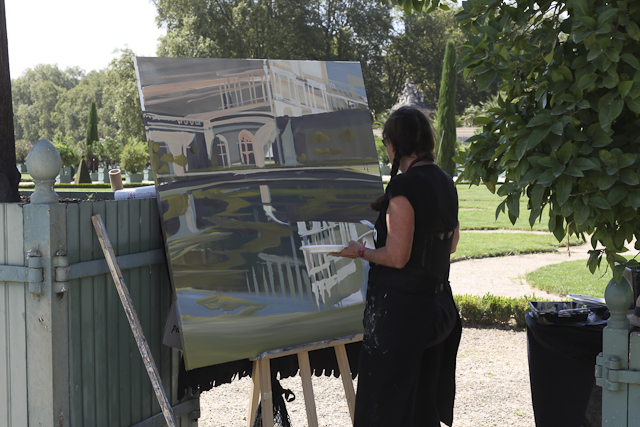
pixel 68 155
pixel 491 309
pixel 135 156
pixel 109 150
pixel 382 151
pixel 22 150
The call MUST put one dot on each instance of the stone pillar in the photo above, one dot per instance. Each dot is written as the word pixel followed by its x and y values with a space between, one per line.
pixel 47 301
pixel 615 351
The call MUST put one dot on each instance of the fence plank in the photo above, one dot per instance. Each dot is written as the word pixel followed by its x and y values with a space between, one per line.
pixel 124 333
pixel 134 289
pixel 100 335
pixel 145 305
pixel 113 329
pixel 87 319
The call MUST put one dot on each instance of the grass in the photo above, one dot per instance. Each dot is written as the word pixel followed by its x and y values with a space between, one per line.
pixel 483 245
pixel 571 277
pixel 478 211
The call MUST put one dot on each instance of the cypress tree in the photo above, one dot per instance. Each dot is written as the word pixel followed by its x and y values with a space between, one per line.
pixel 446 123
pixel 92 134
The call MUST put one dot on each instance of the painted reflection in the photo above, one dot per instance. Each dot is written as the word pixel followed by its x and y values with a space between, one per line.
pixel 257 162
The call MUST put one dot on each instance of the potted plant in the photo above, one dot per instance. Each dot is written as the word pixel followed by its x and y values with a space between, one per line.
pixel 22 150
pixel 109 154
pixel 134 158
pixel 69 157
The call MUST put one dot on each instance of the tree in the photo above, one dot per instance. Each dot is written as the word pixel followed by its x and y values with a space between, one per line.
pixel 9 175
pixel 326 30
pixel 417 53
pixel 92 135
pixel 446 124
pixel 35 96
pixel 121 97
pixel 566 133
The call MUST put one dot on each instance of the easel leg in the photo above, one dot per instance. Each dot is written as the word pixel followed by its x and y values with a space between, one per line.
pixel 255 394
pixel 307 388
pixel 264 370
pixel 345 374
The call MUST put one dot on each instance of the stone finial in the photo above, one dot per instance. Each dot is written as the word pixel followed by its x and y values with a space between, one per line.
pixel 43 164
pixel 619 297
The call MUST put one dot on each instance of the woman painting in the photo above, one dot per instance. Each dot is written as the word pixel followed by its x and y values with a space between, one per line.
pixel 412 327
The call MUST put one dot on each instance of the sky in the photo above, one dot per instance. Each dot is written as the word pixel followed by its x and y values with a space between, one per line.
pixel 81 33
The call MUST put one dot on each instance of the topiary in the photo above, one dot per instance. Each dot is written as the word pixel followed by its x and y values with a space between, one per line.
pixel 134 157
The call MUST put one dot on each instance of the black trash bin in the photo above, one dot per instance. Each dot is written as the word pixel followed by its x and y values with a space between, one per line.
pixel 562 361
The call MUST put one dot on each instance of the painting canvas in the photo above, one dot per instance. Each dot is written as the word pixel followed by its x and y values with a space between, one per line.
pixel 258 165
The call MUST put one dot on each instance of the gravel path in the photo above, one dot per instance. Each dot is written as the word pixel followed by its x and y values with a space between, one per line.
pixel 492 374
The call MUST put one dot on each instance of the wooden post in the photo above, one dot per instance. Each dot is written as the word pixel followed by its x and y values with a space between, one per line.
pixel 307 388
pixel 345 374
pixel 130 311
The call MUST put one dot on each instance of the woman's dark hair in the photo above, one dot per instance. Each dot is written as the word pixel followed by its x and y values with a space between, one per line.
pixel 409 131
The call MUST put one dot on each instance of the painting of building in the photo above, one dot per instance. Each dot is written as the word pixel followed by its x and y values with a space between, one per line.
pixel 254 161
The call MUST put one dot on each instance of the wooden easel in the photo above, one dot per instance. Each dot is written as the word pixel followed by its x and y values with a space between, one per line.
pixel 261 379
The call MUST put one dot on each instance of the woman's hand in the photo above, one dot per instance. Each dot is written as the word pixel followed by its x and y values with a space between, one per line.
pixel 350 251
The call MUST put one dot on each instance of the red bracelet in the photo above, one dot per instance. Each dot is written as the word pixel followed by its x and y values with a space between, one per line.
pixel 361 250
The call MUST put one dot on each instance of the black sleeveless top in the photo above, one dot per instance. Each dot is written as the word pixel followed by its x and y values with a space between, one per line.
pixel 434 199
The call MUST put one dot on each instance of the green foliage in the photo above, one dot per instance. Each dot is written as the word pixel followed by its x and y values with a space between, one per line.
pixel 135 156
pixel 491 309
pixel 569 277
pixel 109 150
pixel 383 156
pixel 83 176
pixel 92 128
pixel 417 53
pixel 446 124
pixel 566 132
pixel 68 155
pixel 345 30
pixel 22 150
pixel 124 101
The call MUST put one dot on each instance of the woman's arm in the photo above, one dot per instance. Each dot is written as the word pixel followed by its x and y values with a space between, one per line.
pixel 400 227
pixel 456 238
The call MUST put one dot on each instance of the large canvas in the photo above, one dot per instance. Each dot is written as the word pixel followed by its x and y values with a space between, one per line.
pixel 256 162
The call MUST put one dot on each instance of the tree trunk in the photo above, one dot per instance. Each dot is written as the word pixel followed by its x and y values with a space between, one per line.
pixel 9 175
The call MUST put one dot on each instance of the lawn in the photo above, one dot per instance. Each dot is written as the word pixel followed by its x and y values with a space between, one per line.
pixel 478 211
pixel 482 245
pixel 571 277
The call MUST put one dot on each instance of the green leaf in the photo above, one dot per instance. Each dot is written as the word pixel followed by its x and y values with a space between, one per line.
pixel 485 80
pixel 500 208
pixel 629 177
pixel 481 120
pixel 633 31
pixel 633 105
pixel 536 195
pixel 617 194
pixel 574 171
pixel 547 177
pixel 626 160
pixel 537 136
pixel 564 154
pixel 599 202
pixel 607 15
pixel 584 164
pixel 612 54
pixel 557 128
pixel 625 87
pixel 581 8
pixel 563 188
pixel 521 148
pixel 634 199
pixel 587 80
pixel 588 22
pixel 530 176
pixel 605 116
pixel 548 58
pixel 540 119
pixel 631 60
pixel 581 212
pixel 606 181
pixel 513 204
pixel 616 108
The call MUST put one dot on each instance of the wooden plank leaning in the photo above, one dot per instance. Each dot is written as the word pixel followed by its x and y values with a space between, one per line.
pixel 130 311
